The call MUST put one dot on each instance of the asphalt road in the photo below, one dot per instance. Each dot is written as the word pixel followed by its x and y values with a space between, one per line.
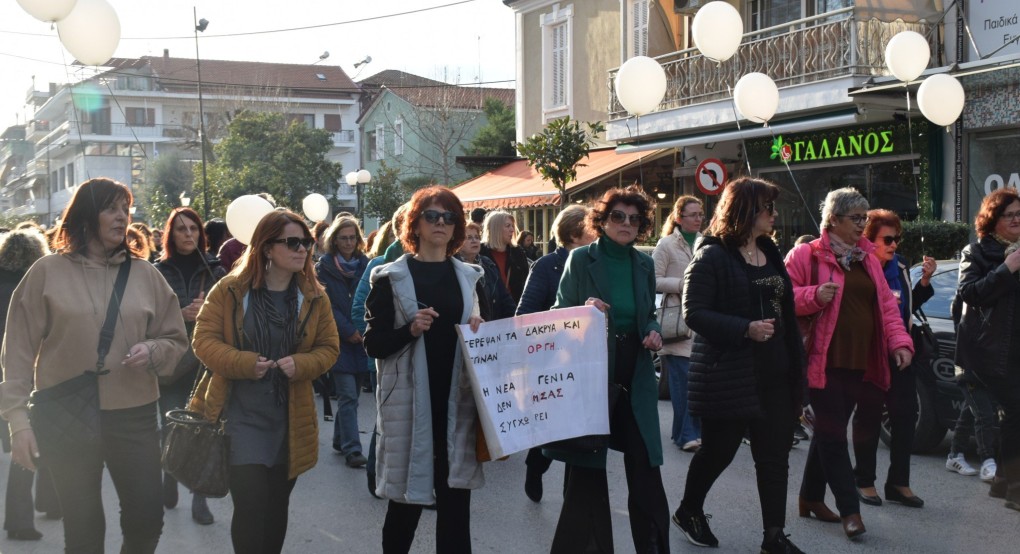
pixel 331 511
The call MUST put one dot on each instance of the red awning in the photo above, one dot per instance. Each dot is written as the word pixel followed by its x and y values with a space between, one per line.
pixel 515 185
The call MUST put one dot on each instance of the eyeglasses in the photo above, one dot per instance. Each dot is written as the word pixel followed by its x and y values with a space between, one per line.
pixel 352 238
pixel 295 242
pixel 472 237
pixel 889 239
pixel 770 207
pixel 859 220
pixel 618 217
pixel 1010 216
pixel 698 215
pixel 432 216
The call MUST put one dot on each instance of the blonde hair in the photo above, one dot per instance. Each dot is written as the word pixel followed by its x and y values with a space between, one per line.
pixel 678 208
pixel 492 234
pixel 340 223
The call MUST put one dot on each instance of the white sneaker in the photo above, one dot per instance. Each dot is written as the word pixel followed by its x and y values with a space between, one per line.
pixel 959 464
pixel 988 469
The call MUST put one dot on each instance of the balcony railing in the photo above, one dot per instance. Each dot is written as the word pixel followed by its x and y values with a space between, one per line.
pixel 346 136
pixel 834 44
pixel 127 130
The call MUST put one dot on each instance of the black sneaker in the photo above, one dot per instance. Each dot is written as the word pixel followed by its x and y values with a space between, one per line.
pixel 356 460
pixel 695 527
pixel 780 544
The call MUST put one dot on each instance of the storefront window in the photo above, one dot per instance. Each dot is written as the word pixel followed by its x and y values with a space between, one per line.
pixel 992 163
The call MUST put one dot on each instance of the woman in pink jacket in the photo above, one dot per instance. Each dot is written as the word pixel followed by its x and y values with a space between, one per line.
pixel 853 334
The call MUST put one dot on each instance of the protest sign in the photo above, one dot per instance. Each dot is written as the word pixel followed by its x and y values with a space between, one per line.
pixel 539 378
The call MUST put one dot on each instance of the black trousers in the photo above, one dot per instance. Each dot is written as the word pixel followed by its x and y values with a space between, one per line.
pixel 828 459
pixel 261 497
pixel 771 440
pixel 585 524
pixel 901 399
pixel 1006 393
pixel 536 461
pixel 453 516
pixel 130 451
pixel 18 512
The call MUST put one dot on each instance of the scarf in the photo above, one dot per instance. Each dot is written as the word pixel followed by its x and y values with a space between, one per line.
pixel 347 268
pixel 845 254
pixel 266 317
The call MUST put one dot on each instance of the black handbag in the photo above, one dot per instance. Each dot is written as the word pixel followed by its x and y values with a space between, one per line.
pixel 926 347
pixel 196 452
pixel 65 417
pixel 589 444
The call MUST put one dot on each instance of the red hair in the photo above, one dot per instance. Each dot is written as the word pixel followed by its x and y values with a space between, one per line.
pixel 421 200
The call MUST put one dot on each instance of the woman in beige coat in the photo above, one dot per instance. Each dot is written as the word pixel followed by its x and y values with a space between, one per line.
pixel 672 254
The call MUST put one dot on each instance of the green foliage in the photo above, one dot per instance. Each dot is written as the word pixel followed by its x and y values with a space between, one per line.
pixel 942 240
pixel 167 178
pixel 496 138
pixel 262 153
pixel 385 193
pixel 557 151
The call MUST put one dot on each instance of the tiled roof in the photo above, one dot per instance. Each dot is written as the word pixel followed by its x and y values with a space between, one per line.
pixel 453 96
pixel 182 73
pixel 393 78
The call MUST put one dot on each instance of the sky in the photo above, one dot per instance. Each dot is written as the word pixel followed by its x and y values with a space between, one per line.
pixel 459 41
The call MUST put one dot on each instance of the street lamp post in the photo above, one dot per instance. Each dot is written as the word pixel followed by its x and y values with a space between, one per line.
pixel 201 25
pixel 359 179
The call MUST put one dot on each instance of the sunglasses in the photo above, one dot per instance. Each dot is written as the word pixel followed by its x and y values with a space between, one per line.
pixel 618 217
pixel 295 242
pixel 769 207
pixel 432 216
pixel 889 239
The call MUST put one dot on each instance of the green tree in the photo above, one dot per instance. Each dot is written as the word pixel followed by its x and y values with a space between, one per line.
pixel 557 151
pixel 385 193
pixel 263 153
pixel 167 178
pixel 496 138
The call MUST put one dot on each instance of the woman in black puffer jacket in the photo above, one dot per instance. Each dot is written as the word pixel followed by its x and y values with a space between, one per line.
pixel 191 273
pixel 988 338
pixel 498 236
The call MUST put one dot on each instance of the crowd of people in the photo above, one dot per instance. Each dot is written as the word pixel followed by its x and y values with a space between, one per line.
pixel 187 317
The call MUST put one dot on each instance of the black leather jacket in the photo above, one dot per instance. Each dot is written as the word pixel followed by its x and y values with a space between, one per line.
pixel 987 337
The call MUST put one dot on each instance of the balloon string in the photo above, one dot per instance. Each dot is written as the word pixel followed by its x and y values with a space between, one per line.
pixel 913 170
pixel 807 208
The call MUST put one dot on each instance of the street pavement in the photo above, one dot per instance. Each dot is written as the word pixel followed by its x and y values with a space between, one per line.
pixel 331 510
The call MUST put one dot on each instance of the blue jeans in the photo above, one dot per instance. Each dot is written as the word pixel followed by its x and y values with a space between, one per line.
pixel 345 424
pixel 686 428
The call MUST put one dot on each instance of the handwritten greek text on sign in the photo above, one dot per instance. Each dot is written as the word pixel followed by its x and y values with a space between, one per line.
pixel 539 377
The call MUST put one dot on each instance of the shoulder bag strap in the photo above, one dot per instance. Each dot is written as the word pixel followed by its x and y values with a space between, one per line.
pixel 106 334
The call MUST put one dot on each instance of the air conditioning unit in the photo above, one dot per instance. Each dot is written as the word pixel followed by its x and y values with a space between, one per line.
pixel 688 7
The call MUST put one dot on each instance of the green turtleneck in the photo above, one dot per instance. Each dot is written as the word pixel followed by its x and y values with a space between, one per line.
pixel 689 237
pixel 619 265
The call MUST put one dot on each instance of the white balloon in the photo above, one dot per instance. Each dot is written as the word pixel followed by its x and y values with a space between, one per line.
pixel 907 55
pixel 91 32
pixel 940 98
pixel 244 214
pixel 757 97
pixel 48 10
pixel 640 85
pixel 315 206
pixel 717 30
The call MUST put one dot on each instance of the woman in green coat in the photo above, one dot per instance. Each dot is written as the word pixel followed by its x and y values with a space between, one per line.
pixel 616 278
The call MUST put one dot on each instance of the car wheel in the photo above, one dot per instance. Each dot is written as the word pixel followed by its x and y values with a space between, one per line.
pixel 928 432
pixel 663 378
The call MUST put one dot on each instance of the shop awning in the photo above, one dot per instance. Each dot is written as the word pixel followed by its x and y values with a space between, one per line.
pixel 515 185
pixel 748 132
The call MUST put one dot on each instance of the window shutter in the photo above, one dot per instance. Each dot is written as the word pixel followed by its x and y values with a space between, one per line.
pixel 559 63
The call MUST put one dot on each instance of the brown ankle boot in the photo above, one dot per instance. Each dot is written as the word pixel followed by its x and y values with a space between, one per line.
pixel 853 526
pixel 821 511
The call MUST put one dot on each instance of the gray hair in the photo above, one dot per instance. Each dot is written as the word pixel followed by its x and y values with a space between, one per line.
pixel 492 232
pixel 569 224
pixel 839 202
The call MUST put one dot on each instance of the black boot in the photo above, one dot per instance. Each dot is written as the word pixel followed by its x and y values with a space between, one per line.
pixel 139 545
pixel 777 542
pixel 200 510
pixel 169 491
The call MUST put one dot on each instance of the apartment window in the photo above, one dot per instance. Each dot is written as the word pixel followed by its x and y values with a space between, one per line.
pixel 140 117
pixel 380 142
pixel 306 118
pixel 638 27
pixel 557 32
pixel 331 122
pixel 767 13
pixel 70 175
pixel 398 138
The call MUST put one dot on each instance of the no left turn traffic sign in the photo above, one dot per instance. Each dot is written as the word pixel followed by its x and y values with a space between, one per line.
pixel 710 176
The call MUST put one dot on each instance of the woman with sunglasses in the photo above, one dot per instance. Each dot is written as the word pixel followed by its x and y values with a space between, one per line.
pixel 885 231
pixel 426 425
pixel 988 346
pixel 191 273
pixel 499 243
pixel 339 270
pixel 672 254
pixel 616 278
pixel 265 333
pixel 855 338
pixel 746 359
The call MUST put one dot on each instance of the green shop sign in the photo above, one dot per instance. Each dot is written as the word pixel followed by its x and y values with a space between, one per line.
pixel 832 145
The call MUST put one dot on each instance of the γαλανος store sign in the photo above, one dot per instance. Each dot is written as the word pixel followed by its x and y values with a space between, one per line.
pixel 539 378
pixel 847 143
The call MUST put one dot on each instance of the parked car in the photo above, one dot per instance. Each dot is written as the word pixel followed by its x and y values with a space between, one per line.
pixel 938 397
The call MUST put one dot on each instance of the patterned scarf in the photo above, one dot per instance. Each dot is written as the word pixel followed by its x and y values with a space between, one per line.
pixel 347 268
pixel 266 316
pixel 845 254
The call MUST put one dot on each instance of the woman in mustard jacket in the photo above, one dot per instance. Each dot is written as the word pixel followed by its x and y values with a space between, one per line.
pixel 266 332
